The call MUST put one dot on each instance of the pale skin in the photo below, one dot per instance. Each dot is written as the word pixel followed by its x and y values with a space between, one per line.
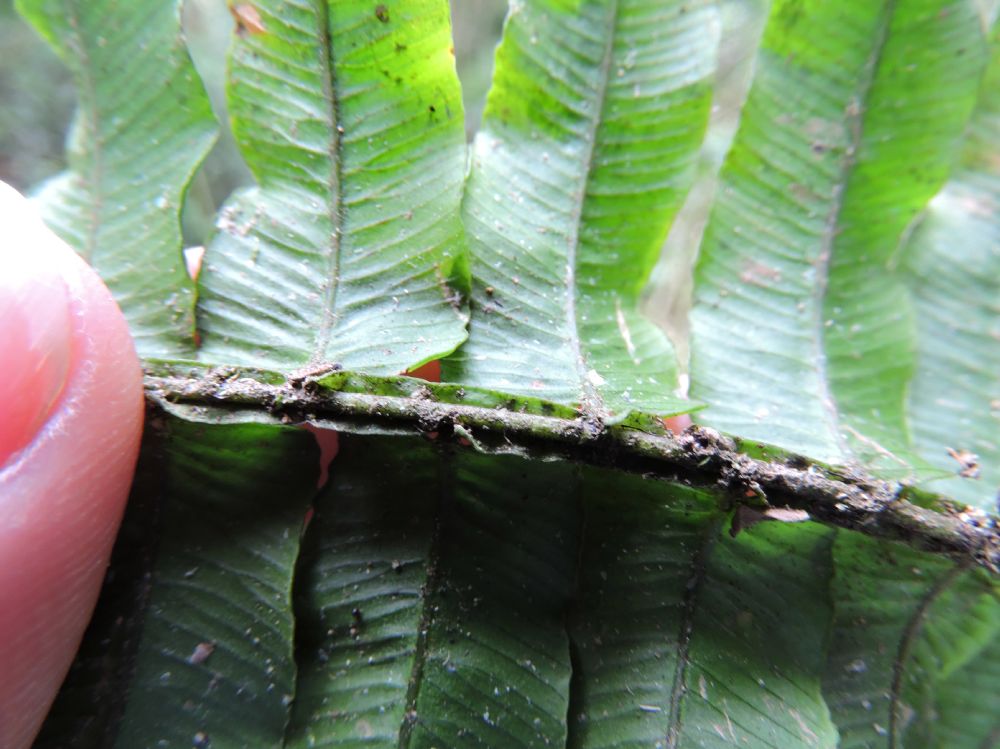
pixel 70 420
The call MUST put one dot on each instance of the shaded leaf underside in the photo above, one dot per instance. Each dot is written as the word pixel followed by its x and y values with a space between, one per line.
pixel 903 621
pixel 966 714
pixel 449 602
pixel 469 600
pixel 216 654
pixel 684 638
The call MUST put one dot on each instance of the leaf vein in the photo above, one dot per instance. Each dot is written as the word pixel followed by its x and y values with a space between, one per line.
pixel 592 400
pixel 334 207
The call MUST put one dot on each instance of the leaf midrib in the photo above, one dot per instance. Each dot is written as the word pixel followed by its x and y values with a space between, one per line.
pixel 446 474
pixel 591 400
pixel 333 202
pixel 855 127
pixel 699 568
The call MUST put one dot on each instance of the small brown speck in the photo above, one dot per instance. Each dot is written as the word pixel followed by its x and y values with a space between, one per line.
pixel 201 652
pixel 382 13
pixel 247 19
pixel 968 461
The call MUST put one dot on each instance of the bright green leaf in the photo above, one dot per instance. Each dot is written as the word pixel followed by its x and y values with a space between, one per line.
pixel 801 335
pixel 142 127
pixel 588 145
pixel 952 266
pixel 350 249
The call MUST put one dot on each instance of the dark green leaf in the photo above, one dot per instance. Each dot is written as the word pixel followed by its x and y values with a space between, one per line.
pixel 903 621
pixel 433 605
pixel 683 638
pixel 360 594
pixel 967 714
pixel 215 659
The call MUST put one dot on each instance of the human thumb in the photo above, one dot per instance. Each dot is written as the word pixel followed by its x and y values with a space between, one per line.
pixel 70 421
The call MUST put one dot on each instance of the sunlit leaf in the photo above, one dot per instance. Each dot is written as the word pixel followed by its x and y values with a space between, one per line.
pixel 350 248
pixel 588 145
pixel 952 266
pixel 802 337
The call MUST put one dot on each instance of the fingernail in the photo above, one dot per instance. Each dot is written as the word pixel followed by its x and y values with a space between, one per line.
pixel 35 325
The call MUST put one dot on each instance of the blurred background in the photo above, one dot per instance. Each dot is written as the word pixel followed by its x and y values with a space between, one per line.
pixel 37 102
pixel 37 97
